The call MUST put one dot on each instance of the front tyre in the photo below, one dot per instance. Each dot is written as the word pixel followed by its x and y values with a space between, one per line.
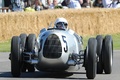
pixel 15 57
pixel 91 61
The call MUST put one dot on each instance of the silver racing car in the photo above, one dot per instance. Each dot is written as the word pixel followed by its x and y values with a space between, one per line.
pixel 57 50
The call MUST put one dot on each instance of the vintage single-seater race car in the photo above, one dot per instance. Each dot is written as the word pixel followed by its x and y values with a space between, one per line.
pixel 57 50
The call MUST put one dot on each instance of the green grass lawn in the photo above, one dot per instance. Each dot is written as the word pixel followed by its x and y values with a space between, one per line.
pixel 5 46
pixel 116 41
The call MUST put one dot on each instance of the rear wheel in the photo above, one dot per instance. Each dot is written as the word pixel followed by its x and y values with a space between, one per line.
pixel 99 54
pixel 30 48
pixel 108 54
pixel 23 38
pixel 15 57
pixel 91 59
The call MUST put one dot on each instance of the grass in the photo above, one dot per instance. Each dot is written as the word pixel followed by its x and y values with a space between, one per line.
pixel 5 46
pixel 116 41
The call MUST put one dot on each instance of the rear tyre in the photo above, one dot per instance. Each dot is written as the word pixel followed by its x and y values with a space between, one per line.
pixel 99 54
pixel 15 57
pixel 91 61
pixel 108 54
pixel 30 48
pixel 23 38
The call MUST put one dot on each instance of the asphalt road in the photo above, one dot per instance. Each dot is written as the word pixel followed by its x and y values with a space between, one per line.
pixel 5 73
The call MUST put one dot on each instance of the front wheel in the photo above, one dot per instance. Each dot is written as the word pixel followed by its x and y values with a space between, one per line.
pixel 91 59
pixel 15 57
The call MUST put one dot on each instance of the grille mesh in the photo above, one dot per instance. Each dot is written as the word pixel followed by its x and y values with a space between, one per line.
pixel 52 47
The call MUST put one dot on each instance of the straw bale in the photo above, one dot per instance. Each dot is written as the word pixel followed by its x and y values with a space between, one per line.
pixel 83 21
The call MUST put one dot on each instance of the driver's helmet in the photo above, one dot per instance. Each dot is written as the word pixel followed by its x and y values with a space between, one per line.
pixel 61 23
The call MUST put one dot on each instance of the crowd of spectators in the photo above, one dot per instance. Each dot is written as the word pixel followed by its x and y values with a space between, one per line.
pixel 37 5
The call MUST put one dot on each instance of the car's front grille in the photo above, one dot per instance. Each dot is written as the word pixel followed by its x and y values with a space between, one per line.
pixel 52 47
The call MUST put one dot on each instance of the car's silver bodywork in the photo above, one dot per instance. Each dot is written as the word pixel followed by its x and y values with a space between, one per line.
pixel 56 48
pixel 60 50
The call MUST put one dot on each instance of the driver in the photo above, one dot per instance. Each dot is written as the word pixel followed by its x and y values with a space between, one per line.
pixel 61 23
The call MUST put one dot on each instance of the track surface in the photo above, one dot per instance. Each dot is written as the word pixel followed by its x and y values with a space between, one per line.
pixel 5 73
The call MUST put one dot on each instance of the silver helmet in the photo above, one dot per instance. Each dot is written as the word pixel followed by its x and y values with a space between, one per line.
pixel 61 23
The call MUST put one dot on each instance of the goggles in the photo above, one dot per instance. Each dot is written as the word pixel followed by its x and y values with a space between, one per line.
pixel 61 25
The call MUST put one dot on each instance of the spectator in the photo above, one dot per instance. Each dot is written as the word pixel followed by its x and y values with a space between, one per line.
pixel 111 3
pixel 7 3
pixel 16 5
pixel 74 3
pixel 22 5
pixel 55 3
pixel 37 5
pixel 43 2
pixel 27 3
pixel 52 5
pixel 64 3
pixel 98 3
pixel 49 4
pixel 86 3
pixel 28 6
